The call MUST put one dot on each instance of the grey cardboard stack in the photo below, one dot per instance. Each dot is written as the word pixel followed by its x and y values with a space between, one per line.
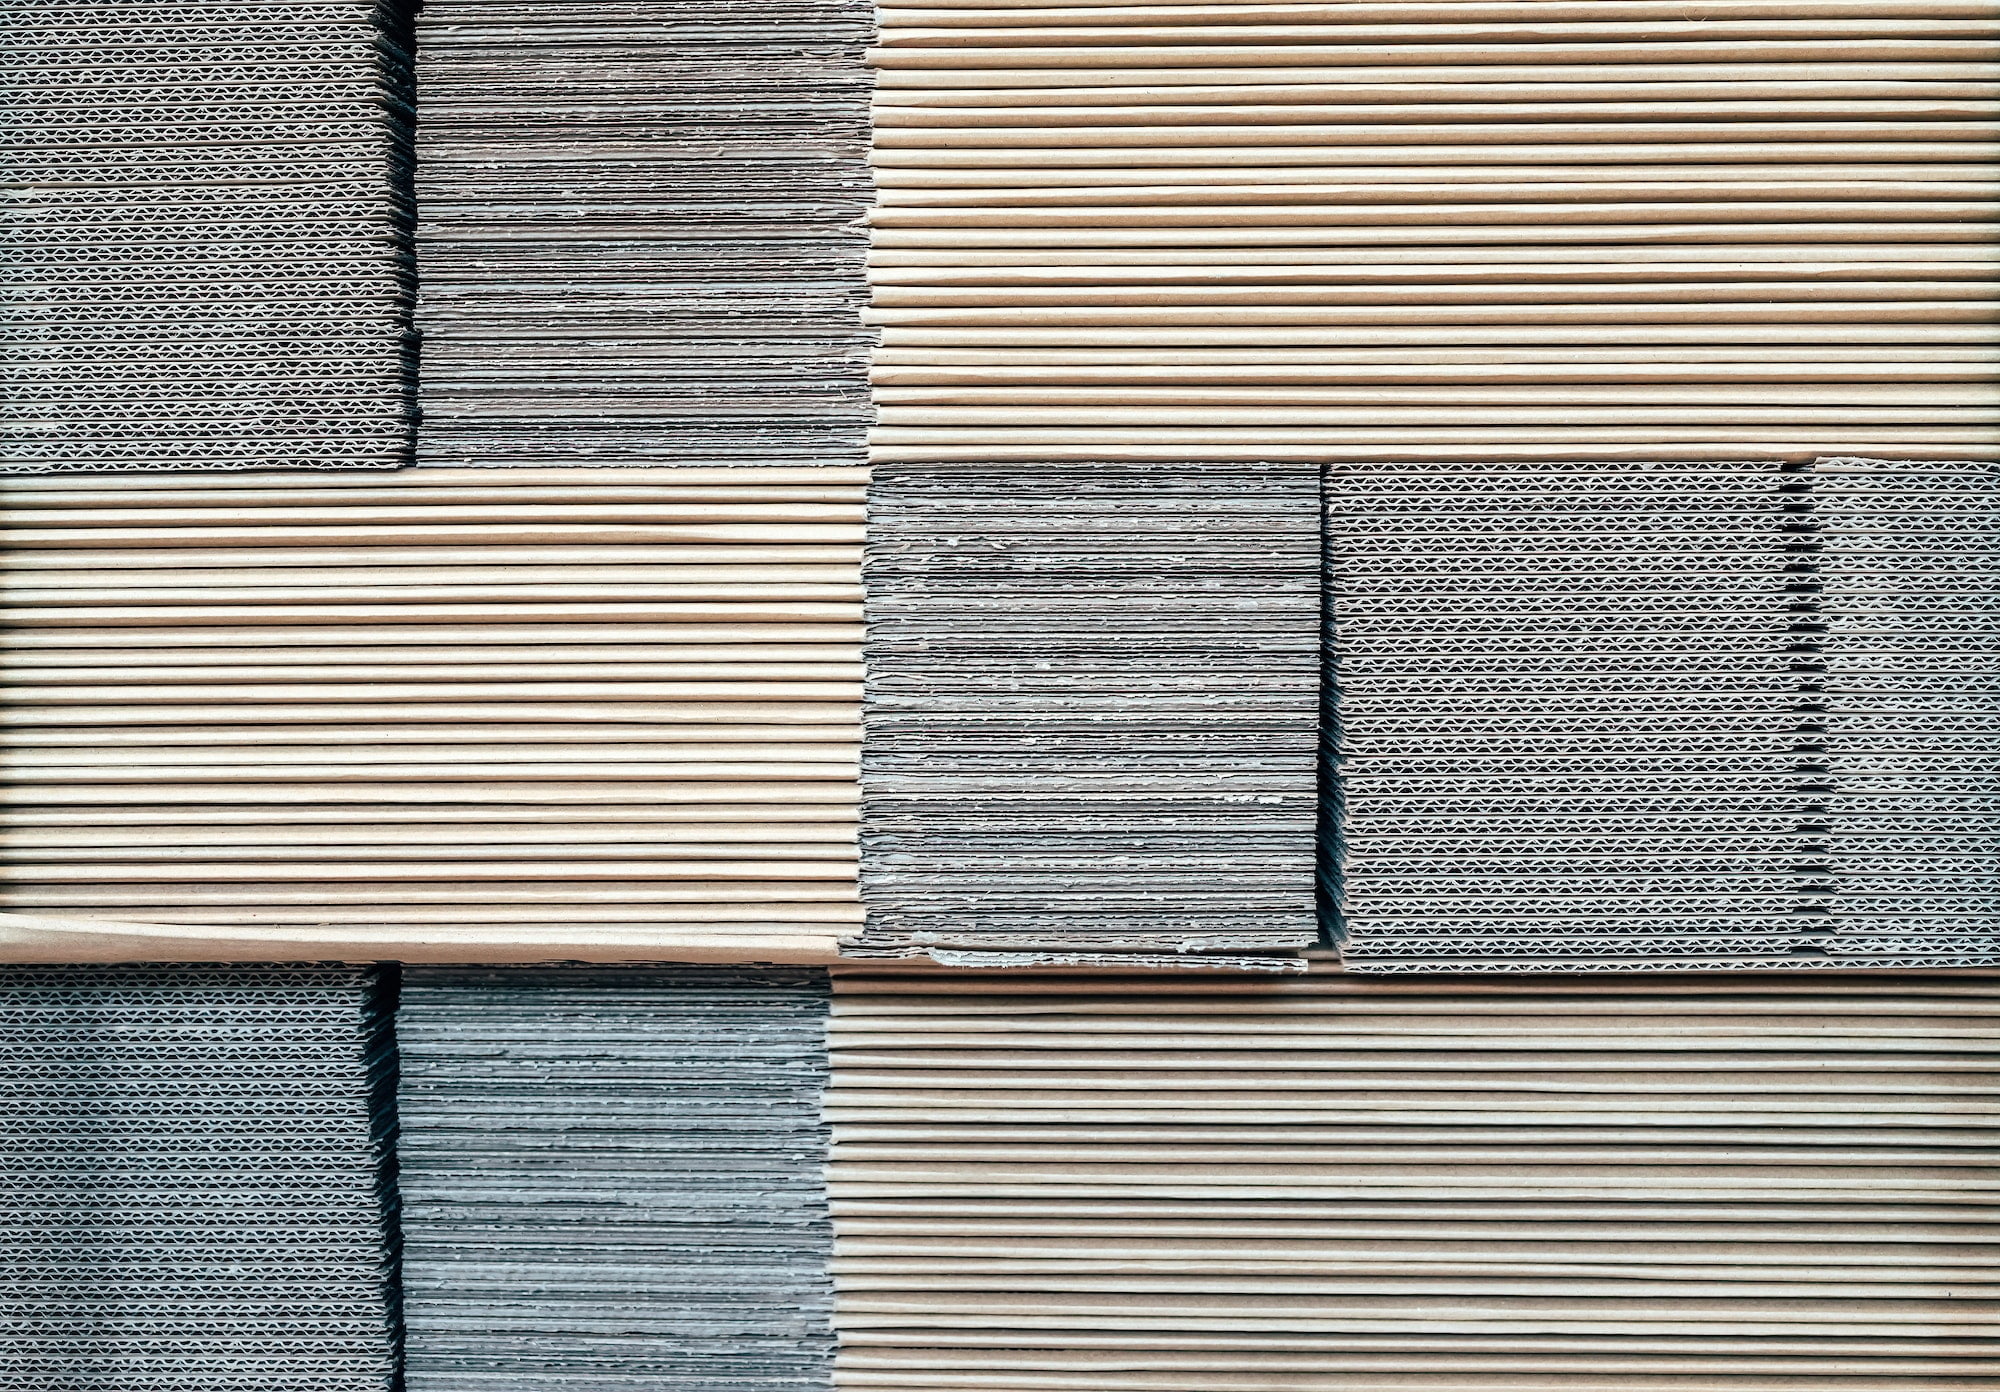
pixel 1090 713
pixel 1568 727
pixel 212 267
pixel 639 232
pixel 612 1179
pixel 1910 585
pixel 192 1162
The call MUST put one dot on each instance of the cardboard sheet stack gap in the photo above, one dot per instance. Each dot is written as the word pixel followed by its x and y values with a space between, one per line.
pixel 1568 726
pixel 439 714
pixel 639 237
pixel 1454 230
pixel 194 1176
pixel 1090 717
pixel 213 269
pixel 612 1179
pixel 1909 566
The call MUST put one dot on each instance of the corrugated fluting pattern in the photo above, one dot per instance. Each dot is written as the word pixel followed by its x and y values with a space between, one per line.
pixel 1091 713
pixel 1468 231
pixel 439 714
pixel 1567 722
pixel 1909 570
pixel 212 266
pixel 640 231
pixel 613 1179
pixel 1164 1184
pixel 193 1166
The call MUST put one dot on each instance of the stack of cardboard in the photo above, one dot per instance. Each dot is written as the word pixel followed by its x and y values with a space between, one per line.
pixel 1567 717
pixel 437 714
pixel 1456 230
pixel 639 232
pixel 195 1166
pixel 213 268
pixel 1091 710
pixel 611 1179
pixel 1215 1182
pixel 1909 568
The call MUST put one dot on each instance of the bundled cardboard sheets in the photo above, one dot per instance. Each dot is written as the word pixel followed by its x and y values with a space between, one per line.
pixel 611 1180
pixel 1091 711
pixel 212 268
pixel 1161 1182
pixel 1645 716
pixel 639 232
pixel 1567 716
pixel 195 1171
pixel 1909 589
pixel 1457 231
pixel 433 715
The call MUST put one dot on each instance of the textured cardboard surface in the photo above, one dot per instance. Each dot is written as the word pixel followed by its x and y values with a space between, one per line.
pixel 196 1171
pixel 1473 193
pixel 612 1179
pixel 1090 712
pixel 639 232
pixel 1163 1182
pixel 433 715
pixel 213 269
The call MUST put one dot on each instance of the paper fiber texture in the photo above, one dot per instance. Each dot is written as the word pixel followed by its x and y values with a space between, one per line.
pixel 196 1175
pixel 212 267
pixel 612 1179
pixel 1136 1182
pixel 433 715
pixel 640 233
pixel 1091 710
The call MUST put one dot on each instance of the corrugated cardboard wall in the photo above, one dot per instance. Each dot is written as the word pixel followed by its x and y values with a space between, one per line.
pixel 1473 231
pixel 1158 1183
pixel 436 715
